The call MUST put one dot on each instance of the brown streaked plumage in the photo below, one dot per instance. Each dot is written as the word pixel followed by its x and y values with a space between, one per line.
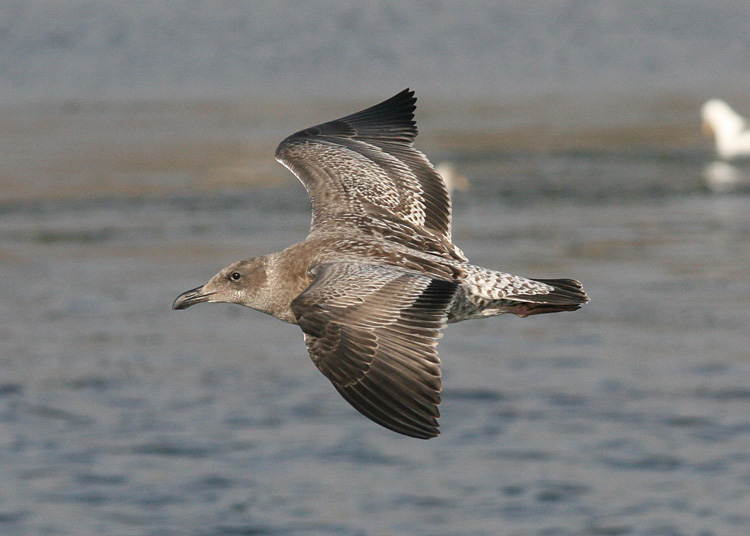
pixel 377 278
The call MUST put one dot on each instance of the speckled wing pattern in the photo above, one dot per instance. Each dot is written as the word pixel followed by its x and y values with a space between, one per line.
pixel 373 331
pixel 365 163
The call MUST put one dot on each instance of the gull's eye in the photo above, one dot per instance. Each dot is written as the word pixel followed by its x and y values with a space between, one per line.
pixel 235 276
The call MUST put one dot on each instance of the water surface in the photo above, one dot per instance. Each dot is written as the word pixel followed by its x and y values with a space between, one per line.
pixel 137 159
pixel 120 416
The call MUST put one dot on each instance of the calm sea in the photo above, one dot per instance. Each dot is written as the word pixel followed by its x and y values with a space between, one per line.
pixel 82 50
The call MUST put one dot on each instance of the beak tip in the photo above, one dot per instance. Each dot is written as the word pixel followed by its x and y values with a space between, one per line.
pixel 180 303
pixel 191 297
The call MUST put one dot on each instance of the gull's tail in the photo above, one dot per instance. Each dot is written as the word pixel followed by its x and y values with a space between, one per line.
pixel 567 295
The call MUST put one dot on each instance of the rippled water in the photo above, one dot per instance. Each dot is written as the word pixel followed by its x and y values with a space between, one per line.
pixel 120 416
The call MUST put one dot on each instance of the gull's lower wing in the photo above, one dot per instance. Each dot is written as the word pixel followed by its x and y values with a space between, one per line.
pixel 373 332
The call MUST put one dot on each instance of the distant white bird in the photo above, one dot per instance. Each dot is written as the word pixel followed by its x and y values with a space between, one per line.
pixel 453 179
pixel 728 127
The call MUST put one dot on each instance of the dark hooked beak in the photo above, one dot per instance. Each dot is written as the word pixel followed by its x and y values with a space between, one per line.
pixel 191 297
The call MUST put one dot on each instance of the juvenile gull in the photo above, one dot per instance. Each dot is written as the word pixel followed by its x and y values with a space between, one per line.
pixel 377 278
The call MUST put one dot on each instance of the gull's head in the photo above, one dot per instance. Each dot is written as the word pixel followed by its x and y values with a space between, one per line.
pixel 241 282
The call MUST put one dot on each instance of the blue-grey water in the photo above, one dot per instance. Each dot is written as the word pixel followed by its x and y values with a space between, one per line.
pixel 136 159
pixel 119 416
pixel 79 49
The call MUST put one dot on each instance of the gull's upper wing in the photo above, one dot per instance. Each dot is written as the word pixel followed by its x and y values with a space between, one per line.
pixel 365 164
pixel 373 331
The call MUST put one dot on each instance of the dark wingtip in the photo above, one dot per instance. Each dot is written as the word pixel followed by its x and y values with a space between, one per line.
pixel 391 120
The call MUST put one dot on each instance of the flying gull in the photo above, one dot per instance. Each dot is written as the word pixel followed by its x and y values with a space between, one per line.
pixel 729 128
pixel 378 277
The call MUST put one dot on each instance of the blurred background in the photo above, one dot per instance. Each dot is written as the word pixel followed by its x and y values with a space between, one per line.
pixel 136 159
